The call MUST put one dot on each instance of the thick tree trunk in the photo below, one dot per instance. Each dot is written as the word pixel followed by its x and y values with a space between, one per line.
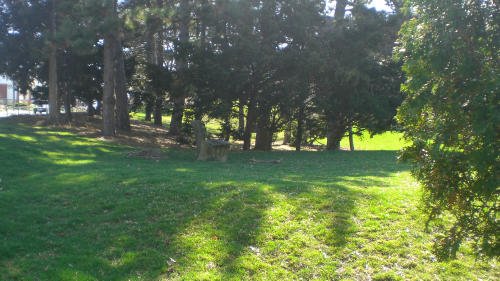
pixel 108 112
pixel 122 110
pixel 264 137
pixel 177 115
pixel 198 110
pixel 335 125
pixel 158 121
pixel 335 132
pixel 179 101
pixel 250 124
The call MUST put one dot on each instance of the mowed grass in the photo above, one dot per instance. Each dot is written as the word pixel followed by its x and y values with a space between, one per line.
pixel 383 141
pixel 75 208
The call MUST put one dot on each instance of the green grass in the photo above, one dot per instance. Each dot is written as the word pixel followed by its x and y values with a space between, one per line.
pixel 383 141
pixel 141 115
pixel 74 208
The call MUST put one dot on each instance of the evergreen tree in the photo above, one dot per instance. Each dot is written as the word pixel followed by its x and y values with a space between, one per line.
pixel 451 114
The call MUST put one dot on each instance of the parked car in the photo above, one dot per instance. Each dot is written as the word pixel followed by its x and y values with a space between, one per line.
pixel 41 107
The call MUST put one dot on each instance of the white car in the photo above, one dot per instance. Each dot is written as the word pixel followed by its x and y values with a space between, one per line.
pixel 41 107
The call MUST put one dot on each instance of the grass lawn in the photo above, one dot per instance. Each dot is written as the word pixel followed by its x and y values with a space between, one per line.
pixel 77 208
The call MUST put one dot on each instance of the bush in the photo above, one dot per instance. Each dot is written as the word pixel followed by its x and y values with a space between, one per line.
pixel 451 115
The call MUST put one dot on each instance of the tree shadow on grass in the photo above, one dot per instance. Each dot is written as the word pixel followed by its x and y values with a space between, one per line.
pixel 91 214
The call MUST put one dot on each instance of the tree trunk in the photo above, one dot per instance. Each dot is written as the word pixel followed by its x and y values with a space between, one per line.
pixel 287 135
pixel 179 100
pixel 149 110
pixel 197 109
pixel 335 127
pixel 158 111
pixel 53 93
pixel 300 129
pixel 108 112
pixel 351 139
pixel 335 132
pixel 226 127
pixel 157 59
pixel 67 104
pixel 340 8
pixel 241 117
pixel 250 124
pixel 264 137
pixel 122 110
pixel 177 115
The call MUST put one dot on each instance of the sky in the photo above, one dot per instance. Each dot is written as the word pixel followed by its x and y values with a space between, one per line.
pixel 377 4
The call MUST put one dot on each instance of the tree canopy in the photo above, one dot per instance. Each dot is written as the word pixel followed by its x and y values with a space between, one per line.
pixel 273 65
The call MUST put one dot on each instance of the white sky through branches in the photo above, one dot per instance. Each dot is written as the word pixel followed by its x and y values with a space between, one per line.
pixel 379 5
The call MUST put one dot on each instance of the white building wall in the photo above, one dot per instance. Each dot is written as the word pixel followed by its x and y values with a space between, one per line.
pixel 11 93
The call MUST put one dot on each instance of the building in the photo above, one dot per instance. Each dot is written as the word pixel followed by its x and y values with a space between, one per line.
pixel 8 93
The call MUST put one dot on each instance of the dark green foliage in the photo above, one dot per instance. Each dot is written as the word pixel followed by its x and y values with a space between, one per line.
pixel 22 40
pixel 357 84
pixel 277 61
pixel 451 114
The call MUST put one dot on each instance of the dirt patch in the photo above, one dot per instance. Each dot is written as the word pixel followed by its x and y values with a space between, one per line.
pixel 151 153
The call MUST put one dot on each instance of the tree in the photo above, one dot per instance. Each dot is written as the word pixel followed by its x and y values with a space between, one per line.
pixel 115 102
pixel 53 91
pixel 109 53
pixel 356 84
pixel 122 110
pixel 451 115
pixel 181 67
pixel 81 75
pixel 21 50
pixel 270 63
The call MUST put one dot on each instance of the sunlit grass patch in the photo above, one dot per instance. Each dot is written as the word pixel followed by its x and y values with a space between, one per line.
pixel 383 141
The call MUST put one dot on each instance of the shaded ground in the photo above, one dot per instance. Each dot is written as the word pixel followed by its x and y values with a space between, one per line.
pixel 77 208
pixel 141 135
